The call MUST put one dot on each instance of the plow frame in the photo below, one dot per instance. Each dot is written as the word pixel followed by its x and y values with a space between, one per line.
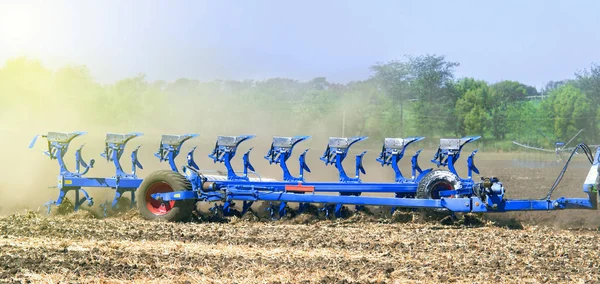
pixel 464 194
pixel 485 196
pixel 58 144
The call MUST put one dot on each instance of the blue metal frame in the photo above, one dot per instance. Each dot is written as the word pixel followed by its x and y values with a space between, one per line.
pixel 225 149
pixel 169 148
pixel 393 151
pixel 280 152
pixel 121 182
pixel 485 196
pixel 336 152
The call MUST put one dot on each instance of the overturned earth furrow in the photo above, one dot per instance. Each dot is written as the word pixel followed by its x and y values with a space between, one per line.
pixel 85 250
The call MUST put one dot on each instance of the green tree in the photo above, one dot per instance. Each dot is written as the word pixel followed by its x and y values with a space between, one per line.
pixel 472 106
pixel 394 79
pixel 503 95
pixel 425 80
pixel 569 109
pixel 523 118
pixel 588 82
pixel 433 89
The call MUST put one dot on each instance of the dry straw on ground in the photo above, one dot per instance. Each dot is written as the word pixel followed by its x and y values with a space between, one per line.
pixel 358 249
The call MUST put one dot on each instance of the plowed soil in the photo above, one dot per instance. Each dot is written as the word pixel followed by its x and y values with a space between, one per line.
pixel 524 247
pixel 81 248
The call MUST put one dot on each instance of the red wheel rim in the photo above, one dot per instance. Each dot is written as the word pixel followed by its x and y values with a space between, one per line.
pixel 441 186
pixel 157 207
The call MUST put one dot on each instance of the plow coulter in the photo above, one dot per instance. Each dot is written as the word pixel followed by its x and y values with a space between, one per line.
pixel 172 194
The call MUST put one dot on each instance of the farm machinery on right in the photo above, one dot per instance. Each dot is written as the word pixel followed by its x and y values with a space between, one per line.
pixel 172 194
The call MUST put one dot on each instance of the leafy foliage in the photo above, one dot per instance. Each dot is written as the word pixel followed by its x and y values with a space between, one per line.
pixel 570 110
pixel 472 106
pixel 414 96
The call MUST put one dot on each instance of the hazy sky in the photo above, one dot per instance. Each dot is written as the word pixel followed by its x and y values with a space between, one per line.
pixel 529 41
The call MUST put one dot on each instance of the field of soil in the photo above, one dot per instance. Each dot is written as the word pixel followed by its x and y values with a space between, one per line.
pixel 560 246
pixel 359 249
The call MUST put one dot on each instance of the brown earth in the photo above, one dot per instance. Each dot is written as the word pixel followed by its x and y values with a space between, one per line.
pixel 556 246
pixel 80 248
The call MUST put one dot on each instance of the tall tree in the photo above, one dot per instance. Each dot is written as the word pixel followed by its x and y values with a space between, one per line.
pixel 427 80
pixel 394 79
pixel 588 82
pixel 503 95
pixel 433 89
pixel 472 106
pixel 569 109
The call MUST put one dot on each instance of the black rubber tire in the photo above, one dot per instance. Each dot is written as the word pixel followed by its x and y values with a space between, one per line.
pixel 429 187
pixel 180 210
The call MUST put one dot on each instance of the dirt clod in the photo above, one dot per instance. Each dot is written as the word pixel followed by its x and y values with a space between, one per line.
pixel 360 250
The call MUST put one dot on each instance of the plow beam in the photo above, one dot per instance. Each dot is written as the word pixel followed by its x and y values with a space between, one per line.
pixel 439 189
pixel 335 153
pixel 281 150
pixel 114 147
pixel 169 148
pixel 393 151
pixel 58 145
pixel 449 152
pixel 225 149
pixel 337 150
pixel 464 195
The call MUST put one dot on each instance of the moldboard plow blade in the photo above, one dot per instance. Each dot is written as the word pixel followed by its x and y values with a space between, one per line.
pixel 172 194
pixel 114 148
pixel 435 189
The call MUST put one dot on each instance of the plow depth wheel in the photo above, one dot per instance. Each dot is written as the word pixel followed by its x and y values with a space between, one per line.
pixel 162 182
pixel 433 183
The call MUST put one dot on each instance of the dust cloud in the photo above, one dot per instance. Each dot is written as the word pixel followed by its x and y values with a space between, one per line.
pixel 32 105
pixel 28 176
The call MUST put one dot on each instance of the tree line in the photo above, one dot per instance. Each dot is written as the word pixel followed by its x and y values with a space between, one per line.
pixel 418 95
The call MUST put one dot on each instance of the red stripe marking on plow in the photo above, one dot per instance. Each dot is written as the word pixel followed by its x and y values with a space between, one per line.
pixel 299 188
